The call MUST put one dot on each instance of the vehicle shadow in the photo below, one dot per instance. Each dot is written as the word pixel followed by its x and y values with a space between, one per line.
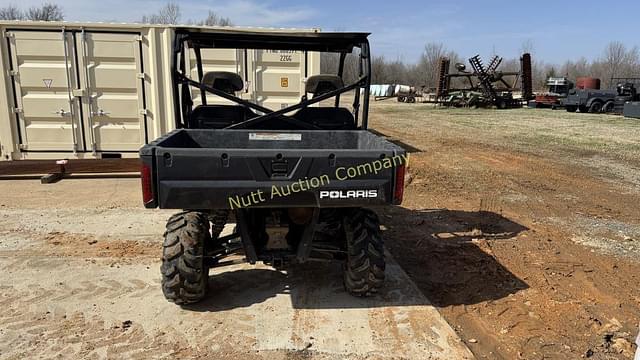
pixel 313 285
pixel 434 247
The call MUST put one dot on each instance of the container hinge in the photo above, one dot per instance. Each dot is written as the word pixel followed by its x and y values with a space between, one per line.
pixel 138 38
pixel 22 146
pixel 17 110
pixel 143 112
pixel 141 75
pixel 12 72
pixel 9 35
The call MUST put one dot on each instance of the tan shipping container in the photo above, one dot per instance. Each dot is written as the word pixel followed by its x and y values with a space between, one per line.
pixel 94 90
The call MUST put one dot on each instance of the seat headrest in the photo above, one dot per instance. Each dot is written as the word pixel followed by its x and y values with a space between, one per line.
pixel 321 84
pixel 224 81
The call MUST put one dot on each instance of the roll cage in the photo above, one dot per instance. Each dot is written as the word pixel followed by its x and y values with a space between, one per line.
pixel 333 42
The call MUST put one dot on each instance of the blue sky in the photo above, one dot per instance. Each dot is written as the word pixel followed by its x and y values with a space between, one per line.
pixel 558 30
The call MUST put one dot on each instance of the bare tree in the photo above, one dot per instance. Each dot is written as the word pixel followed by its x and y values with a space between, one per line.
pixel 617 61
pixel 46 12
pixel 214 19
pixel 428 63
pixel 425 71
pixel 577 68
pixel 614 55
pixel 329 63
pixel 11 12
pixel 378 70
pixel 527 46
pixel 169 14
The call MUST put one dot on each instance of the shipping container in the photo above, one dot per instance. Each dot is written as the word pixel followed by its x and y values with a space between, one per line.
pixel 101 90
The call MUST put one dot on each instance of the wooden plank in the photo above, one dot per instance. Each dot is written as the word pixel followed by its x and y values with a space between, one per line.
pixel 42 167
pixel 103 166
pixel 28 167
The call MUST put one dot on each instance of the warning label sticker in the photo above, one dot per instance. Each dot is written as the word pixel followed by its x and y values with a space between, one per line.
pixel 275 136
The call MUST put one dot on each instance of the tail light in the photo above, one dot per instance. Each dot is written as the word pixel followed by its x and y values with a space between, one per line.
pixel 398 191
pixel 147 183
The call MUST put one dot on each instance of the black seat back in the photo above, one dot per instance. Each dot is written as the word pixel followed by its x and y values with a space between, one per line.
pixel 220 116
pixel 328 118
pixel 224 81
pixel 321 84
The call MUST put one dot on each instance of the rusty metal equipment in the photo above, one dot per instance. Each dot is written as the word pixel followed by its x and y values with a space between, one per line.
pixel 526 77
pixel 442 87
pixel 589 83
pixel 496 86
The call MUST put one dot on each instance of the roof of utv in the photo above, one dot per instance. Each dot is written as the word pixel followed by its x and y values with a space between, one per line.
pixel 225 36
pixel 275 40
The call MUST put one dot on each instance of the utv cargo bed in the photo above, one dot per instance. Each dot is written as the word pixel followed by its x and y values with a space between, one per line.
pixel 222 169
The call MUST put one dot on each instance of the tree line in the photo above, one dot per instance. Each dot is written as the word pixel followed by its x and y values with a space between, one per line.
pixel 616 61
pixel 45 12
pixel 170 13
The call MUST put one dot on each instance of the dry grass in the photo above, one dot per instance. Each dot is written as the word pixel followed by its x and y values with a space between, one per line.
pixel 530 130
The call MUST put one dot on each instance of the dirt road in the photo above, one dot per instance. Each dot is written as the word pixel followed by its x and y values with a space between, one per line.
pixel 80 265
pixel 522 226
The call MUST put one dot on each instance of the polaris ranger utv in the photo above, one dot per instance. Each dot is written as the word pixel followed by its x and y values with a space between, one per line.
pixel 296 180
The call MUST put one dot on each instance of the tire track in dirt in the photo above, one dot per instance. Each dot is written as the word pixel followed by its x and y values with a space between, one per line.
pixel 79 336
pixel 66 320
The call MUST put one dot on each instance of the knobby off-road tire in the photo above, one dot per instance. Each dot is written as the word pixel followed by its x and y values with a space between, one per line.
pixel 365 265
pixel 184 273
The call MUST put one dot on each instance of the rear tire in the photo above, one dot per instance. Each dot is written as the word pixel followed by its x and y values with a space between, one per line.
pixel 365 264
pixel 608 107
pixel 595 107
pixel 184 272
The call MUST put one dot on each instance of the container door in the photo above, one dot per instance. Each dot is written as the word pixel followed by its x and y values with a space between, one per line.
pixel 45 82
pixel 113 105
pixel 279 77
